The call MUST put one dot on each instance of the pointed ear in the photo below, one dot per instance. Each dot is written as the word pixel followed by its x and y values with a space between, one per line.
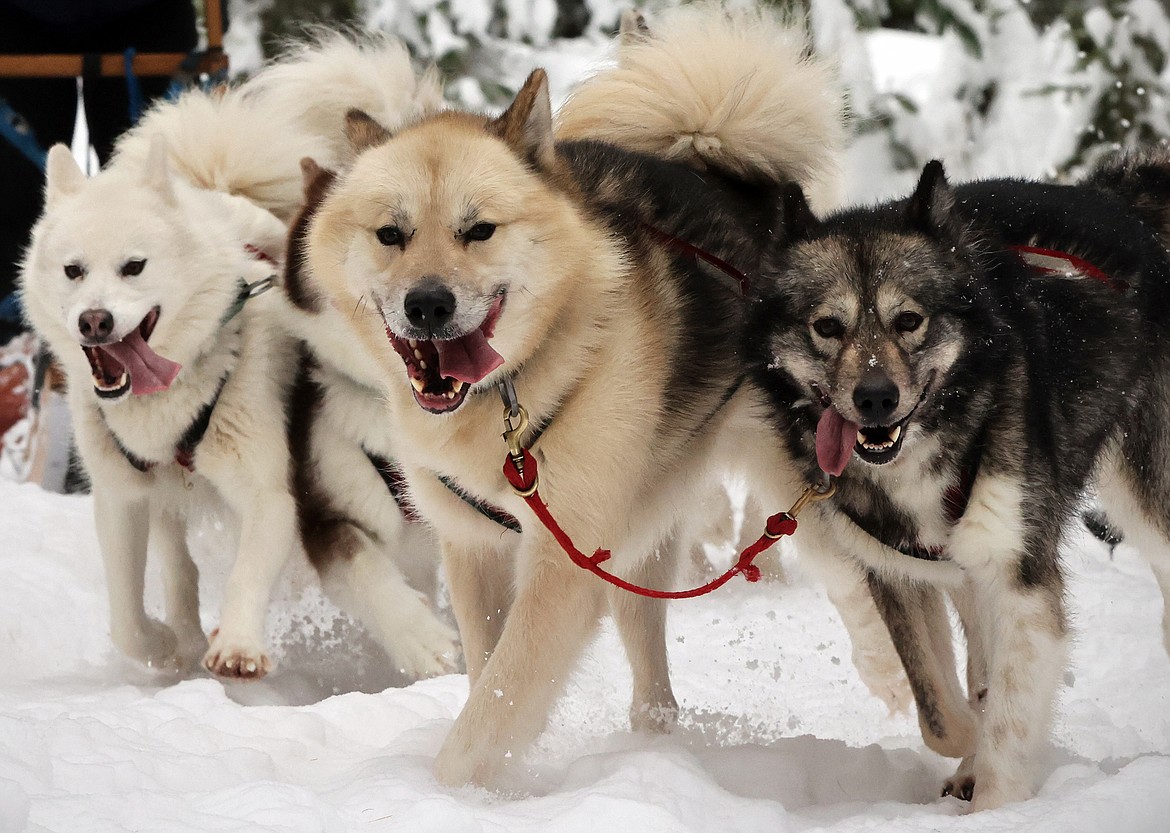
pixel 316 181
pixel 62 175
pixel 363 131
pixel 158 169
pixel 797 219
pixel 633 28
pixel 527 123
pixel 929 209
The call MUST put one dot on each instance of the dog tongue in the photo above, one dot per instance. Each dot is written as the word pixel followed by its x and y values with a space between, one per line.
pixel 149 372
pixel 836 437
pixel 468 358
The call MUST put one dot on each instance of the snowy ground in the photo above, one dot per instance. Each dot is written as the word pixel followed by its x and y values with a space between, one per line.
pixel 777 732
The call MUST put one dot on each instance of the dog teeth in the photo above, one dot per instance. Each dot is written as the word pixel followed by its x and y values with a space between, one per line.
pixel 457 386
pixel 421 363
pixel 417 353
pixel 861 438
pixel 418 384
pixel 413 343
pixel 897 432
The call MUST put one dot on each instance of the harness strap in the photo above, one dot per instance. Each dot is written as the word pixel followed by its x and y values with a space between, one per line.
pixel 19 133
pixel 695 253
pixel 187 445
pixel 395 482
pixel 489 510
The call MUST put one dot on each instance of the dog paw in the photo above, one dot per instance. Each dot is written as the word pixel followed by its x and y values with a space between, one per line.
pixel 462 762
pixel 239 659
pixel 962 788
pixel 882 674
pixel 151 643
pixel 427 649
pixel 656 718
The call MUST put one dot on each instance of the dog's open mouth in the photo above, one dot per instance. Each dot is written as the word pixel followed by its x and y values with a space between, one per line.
pixel 442 371
pixel 130 365
pixel 838 439
pixel 879 444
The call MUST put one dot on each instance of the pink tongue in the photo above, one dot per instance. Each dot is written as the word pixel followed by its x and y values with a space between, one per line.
pixel 836 437
pixel 149 372
pixel 468 358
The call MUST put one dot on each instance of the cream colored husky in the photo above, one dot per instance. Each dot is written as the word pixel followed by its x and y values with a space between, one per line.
pixel 486 252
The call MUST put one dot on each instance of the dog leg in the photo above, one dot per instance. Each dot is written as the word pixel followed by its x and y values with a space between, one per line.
pixel 962 783
pixel 168 539
pixel 480 583
pixel 874 656
pixel 355 535
pixel 1143 515
pixel 641 622
pixel 919 627
pixel 266 539
pixel 556 611
pixel 1018 596
pixel 361 578
pixel 122 529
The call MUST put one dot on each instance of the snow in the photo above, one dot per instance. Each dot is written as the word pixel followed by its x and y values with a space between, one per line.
pixel 777 732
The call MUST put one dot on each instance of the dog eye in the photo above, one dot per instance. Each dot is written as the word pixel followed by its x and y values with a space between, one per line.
pixel 829 328
pixel 73 271
pixel 133 267
pixel 908 322
pixel 390 236
pixel 480 231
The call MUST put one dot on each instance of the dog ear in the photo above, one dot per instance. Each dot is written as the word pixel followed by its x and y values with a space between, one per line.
pixel 633 28
pixel 796 218
pixel 62 175
pixel 930 207
pixel 363 131
pixel 315 180
pixel 158 169
pixel 526 125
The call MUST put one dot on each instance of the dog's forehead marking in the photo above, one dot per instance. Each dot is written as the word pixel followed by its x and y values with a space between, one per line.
pixel 445 170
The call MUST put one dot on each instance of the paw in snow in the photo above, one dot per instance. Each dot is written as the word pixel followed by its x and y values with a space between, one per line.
pixel 236 658
pixel 657 718
pixel 471 756
pixel 962 784
pixel 150 642
pixel 428 648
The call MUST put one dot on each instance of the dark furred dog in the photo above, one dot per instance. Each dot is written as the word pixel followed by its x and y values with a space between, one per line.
pixel 965 362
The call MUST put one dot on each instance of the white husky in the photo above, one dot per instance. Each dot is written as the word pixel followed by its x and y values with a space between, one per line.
pixel 141 281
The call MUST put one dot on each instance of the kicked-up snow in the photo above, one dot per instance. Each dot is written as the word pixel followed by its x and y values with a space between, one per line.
pixel 777 732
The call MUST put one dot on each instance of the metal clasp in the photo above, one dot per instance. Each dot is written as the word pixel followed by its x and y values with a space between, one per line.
pixel 811 494
pixel 514 433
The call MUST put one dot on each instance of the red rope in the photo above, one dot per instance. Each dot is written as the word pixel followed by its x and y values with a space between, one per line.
pixel 525 485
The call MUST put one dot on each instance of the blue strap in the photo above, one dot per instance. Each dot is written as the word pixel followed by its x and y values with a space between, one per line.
pixel 10 307
pixel 133 88
pixel 19 134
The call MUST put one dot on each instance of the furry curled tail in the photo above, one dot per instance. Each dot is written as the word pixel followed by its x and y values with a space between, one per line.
pixel 1142 178
pixel 249 139
pixel 736 90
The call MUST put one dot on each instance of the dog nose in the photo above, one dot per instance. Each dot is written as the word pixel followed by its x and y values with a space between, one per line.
pixel 876 397
pixel 429 305
pixel 96 323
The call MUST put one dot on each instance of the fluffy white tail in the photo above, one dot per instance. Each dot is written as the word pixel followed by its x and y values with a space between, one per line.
pixel 249 140
pixel 735 89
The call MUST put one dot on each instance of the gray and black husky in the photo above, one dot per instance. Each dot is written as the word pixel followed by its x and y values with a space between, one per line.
pixel 964 363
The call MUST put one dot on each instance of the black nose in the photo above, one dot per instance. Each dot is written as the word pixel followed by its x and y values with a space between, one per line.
pixel 429 305
pixel 96 323
pixel 876 397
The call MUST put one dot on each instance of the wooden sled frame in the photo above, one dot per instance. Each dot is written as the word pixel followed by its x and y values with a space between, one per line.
pixel 146 64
